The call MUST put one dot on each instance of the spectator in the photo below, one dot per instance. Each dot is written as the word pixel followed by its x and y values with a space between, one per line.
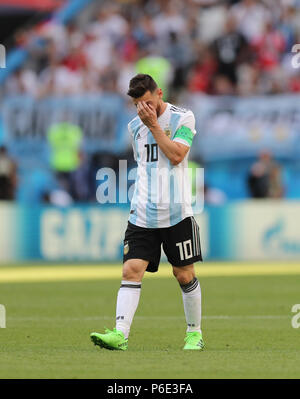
pixel 178 52
pixel 276 189
pixel 111 24
pixel 214 47
pixel 222 86
pixel 170 20
pixel 65 139
pixel 269 47
pixel 264 180
pixel 201 75
pixel 158 67
pixel 258 181
pixel 143 32
pixel 8 176
pixel 251 16
pixel 230 50
pixel 80 180
pixel 73 60
pixel 24 81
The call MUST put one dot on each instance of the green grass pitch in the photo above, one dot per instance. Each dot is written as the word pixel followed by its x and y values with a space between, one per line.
pixel 246 327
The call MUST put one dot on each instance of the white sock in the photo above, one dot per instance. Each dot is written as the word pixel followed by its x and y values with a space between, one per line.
pixel 127 302
pixel 191 295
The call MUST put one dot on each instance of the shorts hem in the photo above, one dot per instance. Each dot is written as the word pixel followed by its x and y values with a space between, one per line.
pixel 152 266
pixel 187 261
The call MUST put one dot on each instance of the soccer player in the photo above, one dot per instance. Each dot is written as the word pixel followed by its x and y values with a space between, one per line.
pixel 161 212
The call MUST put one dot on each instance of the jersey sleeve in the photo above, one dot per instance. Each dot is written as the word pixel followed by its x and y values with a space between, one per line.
pixel 186 129
pixel 132 142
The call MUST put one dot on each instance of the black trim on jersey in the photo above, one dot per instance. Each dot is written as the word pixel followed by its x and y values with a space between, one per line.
pixel 178 109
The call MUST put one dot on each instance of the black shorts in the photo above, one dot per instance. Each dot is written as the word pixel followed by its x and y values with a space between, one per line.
pixel 181 244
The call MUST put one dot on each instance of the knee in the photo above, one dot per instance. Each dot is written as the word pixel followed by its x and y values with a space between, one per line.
pixel 133 271
pixel 184 276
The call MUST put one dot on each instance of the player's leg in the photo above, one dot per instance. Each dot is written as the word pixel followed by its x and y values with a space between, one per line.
pixel 127 303
pixel 129 293
pixel 141 252
pixel 191 296
pixel 182 247
pixel 142 249
pixel 184 274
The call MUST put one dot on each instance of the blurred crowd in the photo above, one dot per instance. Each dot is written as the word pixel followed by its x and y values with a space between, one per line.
pixel 219 47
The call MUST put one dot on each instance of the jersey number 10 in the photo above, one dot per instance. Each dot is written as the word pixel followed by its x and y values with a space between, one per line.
pixel 152 153
pixel 185 249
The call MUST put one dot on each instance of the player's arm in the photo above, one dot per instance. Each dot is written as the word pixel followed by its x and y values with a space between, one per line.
pixel 173 150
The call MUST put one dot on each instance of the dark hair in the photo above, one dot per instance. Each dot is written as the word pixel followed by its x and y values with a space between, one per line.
pixel 141 83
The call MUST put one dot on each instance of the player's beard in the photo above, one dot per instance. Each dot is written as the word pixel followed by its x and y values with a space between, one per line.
pixel 158 110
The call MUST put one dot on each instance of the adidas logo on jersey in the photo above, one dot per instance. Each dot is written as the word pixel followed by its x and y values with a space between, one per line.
pixel 138 136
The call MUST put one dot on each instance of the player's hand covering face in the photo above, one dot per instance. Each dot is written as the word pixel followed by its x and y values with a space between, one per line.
pixel 147 113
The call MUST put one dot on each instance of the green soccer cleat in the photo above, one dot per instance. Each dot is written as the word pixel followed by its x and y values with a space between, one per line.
pixel 111 339
pixel 194 341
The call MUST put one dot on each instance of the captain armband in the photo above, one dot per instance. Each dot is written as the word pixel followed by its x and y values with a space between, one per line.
pixel 185 134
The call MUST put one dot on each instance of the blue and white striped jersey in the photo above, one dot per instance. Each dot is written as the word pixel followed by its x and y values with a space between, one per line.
pixel 162 193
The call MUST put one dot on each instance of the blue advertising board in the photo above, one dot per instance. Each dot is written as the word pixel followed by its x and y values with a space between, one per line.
pixel 239 231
